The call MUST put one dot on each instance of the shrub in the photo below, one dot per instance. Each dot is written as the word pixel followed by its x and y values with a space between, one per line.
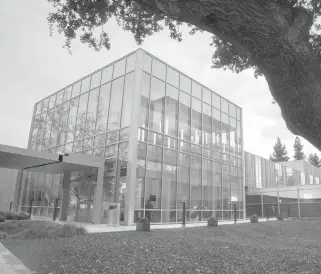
pixel 2 219
pixel 280 217
pixel 9 215
pixel 23 216
pixel 143 220
pixel 254 219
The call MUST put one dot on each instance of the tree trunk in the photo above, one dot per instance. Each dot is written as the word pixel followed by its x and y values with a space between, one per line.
pixel 276 37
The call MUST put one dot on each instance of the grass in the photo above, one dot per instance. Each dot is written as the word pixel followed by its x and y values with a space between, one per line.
pixel 291 246
pixel 39 229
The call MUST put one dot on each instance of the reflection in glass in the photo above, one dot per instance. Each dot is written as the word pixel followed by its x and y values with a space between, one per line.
pixel 154 175
pixel 184 129
pixel 142 135
pixel 225 133
pixel 52 100
pixel 91 113
pixel 207 185
pixel 207 126
pixel 111 151
pixel 85 84
pixel 233 136
pixel 171 115
pixel 109 180
pixel 196 182
pixel 115 104
pixel 81 116
pixel 95 79
pixel 119 68
pixel 159 69
pixel 169 183
pixel 76 89
pixel 196 137
pixel 72 120
pixel 155 139
pixel 107 74
pixel 128 100
pixel 102 109
pixel 217 179
pixel 140 175
pixel 144 101
pixel 157 99
pixel 59 98
pixel 112 137
pixel 183 184
pixel 61 138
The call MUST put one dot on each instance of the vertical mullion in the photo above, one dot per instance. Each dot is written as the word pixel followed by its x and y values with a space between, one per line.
pixel 178 169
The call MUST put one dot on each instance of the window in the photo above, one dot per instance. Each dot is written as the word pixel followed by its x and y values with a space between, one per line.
pixel 107 74
pixel 216 101
pixel 311 179
pixel 76 89
pixel 91 112
pixel 258 172
pixel 128 100
pixel 85 84
pixel 196 137
pixel 159 69
pixel 184 129
pixel 119 68
pixel 185 84
pixel 207 96
pixel 144 101
pixel 317 180
pixel 103 107
pixel 172 77
pixel 115 104
pixel 171 114
pixel 196 90
pixel 95 80
pixel 131 63
pixel 232 109
pixel 224 105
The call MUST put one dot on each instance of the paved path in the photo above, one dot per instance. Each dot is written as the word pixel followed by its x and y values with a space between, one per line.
pixel 9 264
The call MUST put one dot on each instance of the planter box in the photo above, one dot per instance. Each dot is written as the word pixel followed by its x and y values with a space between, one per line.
pixel 212 222
pixel 142 226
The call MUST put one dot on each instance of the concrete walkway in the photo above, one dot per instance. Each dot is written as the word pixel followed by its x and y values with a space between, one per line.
pixel 9 264
pixel 102 228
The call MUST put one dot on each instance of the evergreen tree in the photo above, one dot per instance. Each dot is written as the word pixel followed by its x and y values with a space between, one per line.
pixel 279 152
pixel 314 160
pixel 298 150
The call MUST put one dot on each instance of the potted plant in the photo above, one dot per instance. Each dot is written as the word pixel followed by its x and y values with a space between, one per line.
pixel 254 219
pixel 280 217
pixel 212 222
pixel 143 224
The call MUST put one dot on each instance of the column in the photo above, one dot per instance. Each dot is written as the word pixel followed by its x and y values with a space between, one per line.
pixel 65 196
pixel 18 192
pixel 133 141
pixel 98 198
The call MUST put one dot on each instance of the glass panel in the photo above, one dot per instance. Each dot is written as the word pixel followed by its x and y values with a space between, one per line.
pixel 216 101
pixel 207 125
pixel 169 181
pixel 91 113
pixel 140 175
pixel 225 133
pixel 207 96
pixel 238 112
pixel 233 143
pixel 47 128
pixel 232 109
pixel 88 143
pixel 196 90
pixel 154 175
pixel 100 140
pixel 45 104
pixel 185 147
pixel 38 108
pixel 172 77
pixel 76 89
pixel 183 184
pixel 239 138
pixel 171 115
pixel 217 180
pixel 216 129
pixel 55 126
pixel 59 98
pixel 72 120
pixel 85 84
pixel 207 185
pixel 197 150
pixel 124 134
pixel 103 107
pixel 41 128
pixel 107 74
pixel 115 104
pixel 196 182
pixel 224 105
pixel 131 63
pixel 144 101
pixel 185 117
pixel 111 151
pixel 207 153
pixel 155 139
pixel 159 69
pixel 170 142
pixel 95 79
pixel 128 99
pixel 142 135
pixel 67 94
pixel 109 180
pixel 119 68
pixel 99 151
pixel 112 137
pixel 68 148
pixel 52 101
pixel 185 84
pixel 147 63
pixel 61 138
pixel 81 116
pixel 157 98
pixel 196 137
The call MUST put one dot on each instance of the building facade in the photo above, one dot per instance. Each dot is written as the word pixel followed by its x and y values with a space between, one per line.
pixel 291 188
pixel 8 179
pixel 165 137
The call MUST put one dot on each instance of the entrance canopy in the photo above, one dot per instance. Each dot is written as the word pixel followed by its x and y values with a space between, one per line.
pixel 24 159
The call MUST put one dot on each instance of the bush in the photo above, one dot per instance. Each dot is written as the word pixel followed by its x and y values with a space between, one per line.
pixel 39 229
pixel 23 216
pixel 254 219
pixel 2 219
pixel 143 220
pixel 9 215
pixel 280 217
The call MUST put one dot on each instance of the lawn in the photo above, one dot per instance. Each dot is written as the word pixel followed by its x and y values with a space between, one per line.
pixel 291 246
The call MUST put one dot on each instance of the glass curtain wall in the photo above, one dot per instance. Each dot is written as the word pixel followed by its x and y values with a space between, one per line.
pixel 91 116
pixel 185 133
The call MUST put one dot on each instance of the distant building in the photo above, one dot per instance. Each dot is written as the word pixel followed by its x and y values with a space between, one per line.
pixel 291 188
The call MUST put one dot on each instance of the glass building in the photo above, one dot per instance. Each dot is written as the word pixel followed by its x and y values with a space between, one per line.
pixel 165 137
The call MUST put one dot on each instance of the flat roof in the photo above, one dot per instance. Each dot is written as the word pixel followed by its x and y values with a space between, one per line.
pixel 38 161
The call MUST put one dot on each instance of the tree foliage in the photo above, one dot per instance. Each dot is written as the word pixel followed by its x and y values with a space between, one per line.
pixel 298 149
pixel 280 39
pixel 279 152
pixel 314 160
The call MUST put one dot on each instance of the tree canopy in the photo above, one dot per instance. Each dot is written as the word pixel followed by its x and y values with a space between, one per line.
pixel 279 152
pixel 314 160
pixel 298 149
pixel 280 39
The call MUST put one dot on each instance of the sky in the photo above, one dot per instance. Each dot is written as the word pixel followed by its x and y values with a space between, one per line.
pixel 34 65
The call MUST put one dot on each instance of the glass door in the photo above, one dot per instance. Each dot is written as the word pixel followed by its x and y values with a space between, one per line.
pixel 85 202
